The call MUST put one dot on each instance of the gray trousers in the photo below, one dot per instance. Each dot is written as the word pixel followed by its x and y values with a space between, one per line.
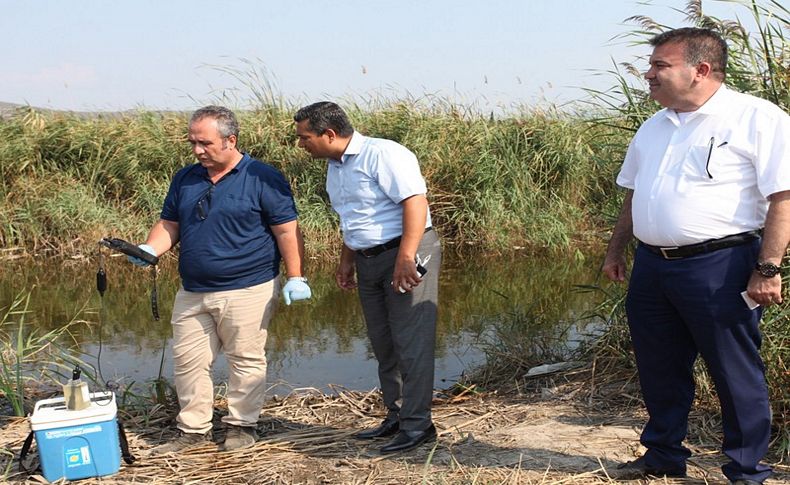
pixel 402 332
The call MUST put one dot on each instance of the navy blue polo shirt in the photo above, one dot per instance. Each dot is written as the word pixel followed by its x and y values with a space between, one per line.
pixel 226 241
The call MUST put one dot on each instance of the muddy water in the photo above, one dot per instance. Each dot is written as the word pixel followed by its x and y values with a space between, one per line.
pixel 312 344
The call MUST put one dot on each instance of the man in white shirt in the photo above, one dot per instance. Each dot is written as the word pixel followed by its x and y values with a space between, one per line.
pixel 376 188
pixel 708 200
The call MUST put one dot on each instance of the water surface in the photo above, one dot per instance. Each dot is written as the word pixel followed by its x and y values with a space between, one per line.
pixel 311 344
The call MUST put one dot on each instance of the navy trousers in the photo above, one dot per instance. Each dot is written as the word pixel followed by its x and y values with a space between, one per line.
pixel 678 309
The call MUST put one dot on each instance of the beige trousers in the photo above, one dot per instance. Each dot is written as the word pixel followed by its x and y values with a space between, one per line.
pixel 234 322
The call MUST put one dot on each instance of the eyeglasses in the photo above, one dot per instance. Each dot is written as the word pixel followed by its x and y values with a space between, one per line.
pixel 204 204
pixel 710 152
pixel 707 161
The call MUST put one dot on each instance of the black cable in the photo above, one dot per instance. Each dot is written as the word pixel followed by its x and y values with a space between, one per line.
pixel 101 287
pixel 154 294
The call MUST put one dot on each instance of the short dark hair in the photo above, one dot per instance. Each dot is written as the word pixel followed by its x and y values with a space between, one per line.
pixel 226 120
pixel 325 115
pixel 701 45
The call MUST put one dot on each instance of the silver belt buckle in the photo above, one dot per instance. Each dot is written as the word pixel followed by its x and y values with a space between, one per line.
pixel 667 256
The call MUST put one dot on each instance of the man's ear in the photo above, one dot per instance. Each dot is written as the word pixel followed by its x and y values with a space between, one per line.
pixel 332 134
pixel 704 70
pixel 229 142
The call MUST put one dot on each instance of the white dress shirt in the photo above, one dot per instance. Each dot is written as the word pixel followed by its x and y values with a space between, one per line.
pixel 708 176
pixel 367 186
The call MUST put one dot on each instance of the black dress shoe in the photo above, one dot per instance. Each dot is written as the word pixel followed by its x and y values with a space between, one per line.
pixel 406 440
pixel 388 427
pixel 639 468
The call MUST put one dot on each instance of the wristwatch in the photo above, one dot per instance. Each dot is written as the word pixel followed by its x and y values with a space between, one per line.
pixel 767 270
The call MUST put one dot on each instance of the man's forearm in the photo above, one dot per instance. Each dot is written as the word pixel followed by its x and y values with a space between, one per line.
pixel 776 234
pixel 415 213
pixel 346 255
pixel 623 230
pixel 291 246
pixel 163 236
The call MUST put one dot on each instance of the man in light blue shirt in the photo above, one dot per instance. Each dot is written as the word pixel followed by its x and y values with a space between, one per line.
pixel 376 188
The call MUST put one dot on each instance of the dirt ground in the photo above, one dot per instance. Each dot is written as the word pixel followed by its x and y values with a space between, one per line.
pixel 306 438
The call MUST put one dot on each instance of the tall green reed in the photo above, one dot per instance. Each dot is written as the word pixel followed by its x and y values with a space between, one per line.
pixel 26 354
pixel 531 179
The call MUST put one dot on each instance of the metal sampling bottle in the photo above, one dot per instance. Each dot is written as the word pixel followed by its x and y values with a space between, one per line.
pixel 75 392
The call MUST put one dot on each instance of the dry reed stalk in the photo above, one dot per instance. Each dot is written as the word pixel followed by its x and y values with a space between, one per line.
pixel 298 446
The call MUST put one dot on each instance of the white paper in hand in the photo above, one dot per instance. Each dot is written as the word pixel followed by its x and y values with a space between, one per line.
pixel 749 302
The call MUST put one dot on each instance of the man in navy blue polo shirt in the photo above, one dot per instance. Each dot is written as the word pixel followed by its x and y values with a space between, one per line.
pixel 235 218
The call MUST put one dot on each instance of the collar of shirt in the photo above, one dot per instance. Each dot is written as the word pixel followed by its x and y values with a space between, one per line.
pixel 715 105
pixel 366 187
pixel 353 148
pixel 203 171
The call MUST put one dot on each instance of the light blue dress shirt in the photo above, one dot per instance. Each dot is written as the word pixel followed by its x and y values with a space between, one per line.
pixel 367 186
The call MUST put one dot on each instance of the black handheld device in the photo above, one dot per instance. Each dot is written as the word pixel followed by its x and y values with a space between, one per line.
pixel 128 249
pixel 421 270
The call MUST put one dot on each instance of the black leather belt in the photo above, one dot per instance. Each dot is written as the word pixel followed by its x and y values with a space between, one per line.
pixel 376 250
pixel 679 252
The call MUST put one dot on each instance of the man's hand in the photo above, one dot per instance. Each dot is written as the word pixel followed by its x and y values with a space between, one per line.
pixel 405 276
pixel 344 275
pixel 776 234
pixel 140 262
pixel 295 289
pixel 765 291
pixel 614 267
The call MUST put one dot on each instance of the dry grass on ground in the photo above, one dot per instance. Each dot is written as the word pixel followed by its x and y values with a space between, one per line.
pixel 483 438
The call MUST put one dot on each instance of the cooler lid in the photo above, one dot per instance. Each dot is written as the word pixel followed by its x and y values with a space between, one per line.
pixel 50 413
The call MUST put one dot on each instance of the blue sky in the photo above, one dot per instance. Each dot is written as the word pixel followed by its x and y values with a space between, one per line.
pixel 178 54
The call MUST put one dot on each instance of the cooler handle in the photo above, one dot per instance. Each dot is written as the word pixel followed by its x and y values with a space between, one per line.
pixel 23 453
pixel 127 456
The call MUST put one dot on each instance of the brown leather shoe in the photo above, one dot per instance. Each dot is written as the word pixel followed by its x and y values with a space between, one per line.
pixel 388 427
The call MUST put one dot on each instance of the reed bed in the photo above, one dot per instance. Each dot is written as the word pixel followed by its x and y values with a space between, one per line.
pixel 536 179
pixel 28 355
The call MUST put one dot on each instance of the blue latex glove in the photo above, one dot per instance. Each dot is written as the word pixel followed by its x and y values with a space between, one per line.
pixel 296 289
pixel 139 262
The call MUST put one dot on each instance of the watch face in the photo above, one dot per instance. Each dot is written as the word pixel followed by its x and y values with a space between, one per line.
pixel 769 270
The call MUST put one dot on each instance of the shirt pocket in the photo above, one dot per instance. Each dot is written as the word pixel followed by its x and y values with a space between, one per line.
pixel 720 163
pixel 729 166
pixel 366 191
pixel 242 209
pixel 705 166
